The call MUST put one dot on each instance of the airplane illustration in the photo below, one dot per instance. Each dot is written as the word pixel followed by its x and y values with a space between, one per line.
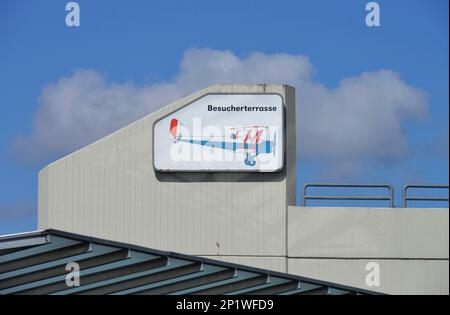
pixel 249 140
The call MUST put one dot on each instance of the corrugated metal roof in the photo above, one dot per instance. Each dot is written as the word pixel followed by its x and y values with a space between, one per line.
pixel 35 263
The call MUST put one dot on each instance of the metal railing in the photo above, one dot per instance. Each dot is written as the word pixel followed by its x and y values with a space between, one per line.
pixel 406 198
pixel 389 197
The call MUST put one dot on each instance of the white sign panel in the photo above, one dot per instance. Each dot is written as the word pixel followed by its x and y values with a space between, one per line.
pixel 222 132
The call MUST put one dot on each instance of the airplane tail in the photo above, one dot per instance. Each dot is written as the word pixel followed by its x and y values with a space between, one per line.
pixel 178 130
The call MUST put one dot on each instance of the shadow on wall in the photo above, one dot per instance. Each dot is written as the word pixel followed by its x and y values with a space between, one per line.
pixel 193 177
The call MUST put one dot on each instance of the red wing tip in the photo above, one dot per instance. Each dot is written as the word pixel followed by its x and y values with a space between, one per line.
pixel 173 127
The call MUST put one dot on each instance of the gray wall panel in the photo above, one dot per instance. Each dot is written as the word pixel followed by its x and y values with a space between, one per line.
pixel 368 232
pixel 396 276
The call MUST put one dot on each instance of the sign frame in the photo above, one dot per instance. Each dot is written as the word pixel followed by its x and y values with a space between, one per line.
pixel 283 127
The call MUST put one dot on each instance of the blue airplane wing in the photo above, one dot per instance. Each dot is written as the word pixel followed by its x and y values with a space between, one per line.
pixel 262 147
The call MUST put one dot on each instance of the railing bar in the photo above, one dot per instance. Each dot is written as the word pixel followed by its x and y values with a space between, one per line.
pixel 348 197
pixel 427 198
pixel 349 186
pixel 427 186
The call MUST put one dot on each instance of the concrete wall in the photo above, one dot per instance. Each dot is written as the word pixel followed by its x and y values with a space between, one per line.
pixel 411 247
pixel 109 189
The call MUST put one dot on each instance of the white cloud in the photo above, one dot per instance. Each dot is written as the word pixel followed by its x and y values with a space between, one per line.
pixel 359 121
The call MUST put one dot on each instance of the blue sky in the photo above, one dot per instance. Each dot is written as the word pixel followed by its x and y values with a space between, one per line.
pixel 146 44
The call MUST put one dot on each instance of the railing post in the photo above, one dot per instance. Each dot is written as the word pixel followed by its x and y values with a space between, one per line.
pixel 405 189
pixel 305 187
pixel 391 190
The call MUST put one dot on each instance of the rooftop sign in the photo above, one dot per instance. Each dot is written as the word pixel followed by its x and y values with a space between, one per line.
pixel 222 132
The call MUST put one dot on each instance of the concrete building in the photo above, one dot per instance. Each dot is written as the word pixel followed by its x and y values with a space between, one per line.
pixel 111 190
